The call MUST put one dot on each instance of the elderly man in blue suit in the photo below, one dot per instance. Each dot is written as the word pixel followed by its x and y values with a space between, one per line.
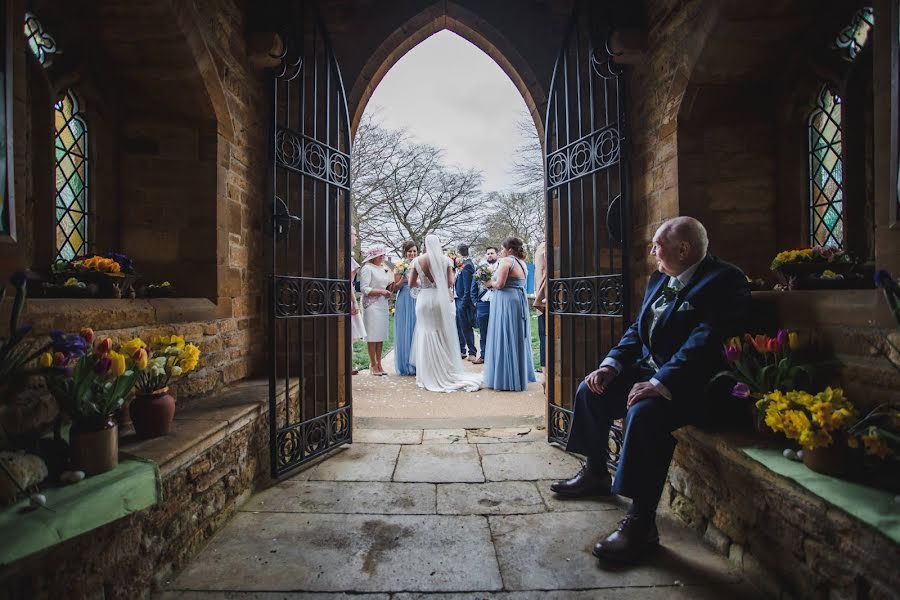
pixel 655 378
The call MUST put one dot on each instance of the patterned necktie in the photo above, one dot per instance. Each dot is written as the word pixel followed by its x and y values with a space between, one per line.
pixel 670 291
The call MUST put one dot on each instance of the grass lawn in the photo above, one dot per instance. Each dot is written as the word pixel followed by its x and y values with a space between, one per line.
pixel 361 354
pixel 535 341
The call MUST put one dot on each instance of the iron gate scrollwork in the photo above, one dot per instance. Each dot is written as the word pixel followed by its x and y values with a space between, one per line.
pixel 308 286
pixel 588 214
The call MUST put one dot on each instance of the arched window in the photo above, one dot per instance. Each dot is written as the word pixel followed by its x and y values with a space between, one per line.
pixel 826 172
pixel 71 150
pixel 853 37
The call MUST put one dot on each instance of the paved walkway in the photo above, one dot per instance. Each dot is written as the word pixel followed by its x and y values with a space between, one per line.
pixel 443 515
pixel 395 402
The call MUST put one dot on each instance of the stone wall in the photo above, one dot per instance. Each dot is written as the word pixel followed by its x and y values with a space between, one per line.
pixel 788 542
pixel 177 125
pixel 129 557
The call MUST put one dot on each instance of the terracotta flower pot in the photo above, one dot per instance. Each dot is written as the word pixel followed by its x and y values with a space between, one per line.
pixel 152 413
pixel 835 460
pixel 94 444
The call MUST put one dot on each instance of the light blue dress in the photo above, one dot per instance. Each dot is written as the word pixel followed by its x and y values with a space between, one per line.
pixel 404 326
pixel 508 363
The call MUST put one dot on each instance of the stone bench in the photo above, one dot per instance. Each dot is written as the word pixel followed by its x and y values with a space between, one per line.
pixel 788 541
pixel 210 463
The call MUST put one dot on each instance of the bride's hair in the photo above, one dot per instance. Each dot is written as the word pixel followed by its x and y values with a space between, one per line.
pixel 516 246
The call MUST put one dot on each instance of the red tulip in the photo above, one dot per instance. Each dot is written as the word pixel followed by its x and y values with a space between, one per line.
pixel 105 346
pixel 88 334
pixel 774 345
pixel 759 342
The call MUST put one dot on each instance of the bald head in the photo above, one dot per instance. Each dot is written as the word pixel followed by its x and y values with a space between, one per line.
pixel 679 243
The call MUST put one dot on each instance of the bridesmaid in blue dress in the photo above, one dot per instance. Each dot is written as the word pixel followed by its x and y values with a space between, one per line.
pixel 508 364
pixel 404 315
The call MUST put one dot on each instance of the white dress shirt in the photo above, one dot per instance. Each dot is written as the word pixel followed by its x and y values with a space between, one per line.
pixel 676 282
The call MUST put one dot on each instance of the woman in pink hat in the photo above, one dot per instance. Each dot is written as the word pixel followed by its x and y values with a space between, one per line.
pixel 374 280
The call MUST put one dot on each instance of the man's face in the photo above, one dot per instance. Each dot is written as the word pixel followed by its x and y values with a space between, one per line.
pixel 491 255
pixel 669 254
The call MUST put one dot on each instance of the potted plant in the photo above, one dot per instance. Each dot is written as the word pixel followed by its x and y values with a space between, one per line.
pixel 167 356
pixel 113 273
pixel 90 383
pixel 819 423
pixel 803 268
pixel 759 364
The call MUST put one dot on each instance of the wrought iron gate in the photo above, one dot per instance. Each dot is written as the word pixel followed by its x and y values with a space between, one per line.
pixel 588 222
pixel 308 286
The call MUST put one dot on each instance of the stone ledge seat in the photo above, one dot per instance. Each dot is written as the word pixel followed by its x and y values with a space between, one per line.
pixel 210 463
pixel 788 540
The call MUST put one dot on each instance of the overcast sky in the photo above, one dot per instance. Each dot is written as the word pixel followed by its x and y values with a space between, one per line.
pixel 448 93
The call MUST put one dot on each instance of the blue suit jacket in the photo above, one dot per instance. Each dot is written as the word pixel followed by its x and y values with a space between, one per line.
pixel 687 341
pixel 463 284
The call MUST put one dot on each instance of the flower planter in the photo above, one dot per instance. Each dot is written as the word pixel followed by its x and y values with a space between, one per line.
pixel 94 444
pixel 152 413
pixel 108 285
pixel 835 460
pixel 806 274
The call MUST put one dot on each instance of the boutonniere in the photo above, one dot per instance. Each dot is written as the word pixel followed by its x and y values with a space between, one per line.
pixel 669 293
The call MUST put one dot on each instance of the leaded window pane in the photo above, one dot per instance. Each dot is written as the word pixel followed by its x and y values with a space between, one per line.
pixel 41 43
pixel 853 37
pixel 71 179
pixel 826 172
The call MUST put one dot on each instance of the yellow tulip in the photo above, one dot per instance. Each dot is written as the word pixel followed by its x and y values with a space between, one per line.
pixel 793 340
pixel 117 366
pixel 141 358
pixel 46 360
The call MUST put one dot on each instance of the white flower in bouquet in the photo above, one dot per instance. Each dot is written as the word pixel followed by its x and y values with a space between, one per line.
pixel 401 268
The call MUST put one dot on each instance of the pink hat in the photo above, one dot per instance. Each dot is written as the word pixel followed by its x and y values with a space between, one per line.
pixel 374 252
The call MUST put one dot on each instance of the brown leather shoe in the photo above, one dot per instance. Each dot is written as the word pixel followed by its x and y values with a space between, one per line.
pixel 478 361
pixel 586 483
pixel 635 536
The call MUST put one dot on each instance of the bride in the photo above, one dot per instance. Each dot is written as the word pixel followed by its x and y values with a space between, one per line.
pixel 435 346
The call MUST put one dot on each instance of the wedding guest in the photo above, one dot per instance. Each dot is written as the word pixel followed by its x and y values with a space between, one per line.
pixel 465 304
pixel 540 294
pixel 404 314
pixel 483 306
pixel 508 364
pixel 357 326
pixel 374 279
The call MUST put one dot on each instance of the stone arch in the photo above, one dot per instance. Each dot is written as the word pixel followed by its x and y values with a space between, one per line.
pixel 471 27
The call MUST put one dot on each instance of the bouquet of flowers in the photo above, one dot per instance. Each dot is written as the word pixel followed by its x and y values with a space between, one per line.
pixel 88 380
pixel 812 420
pixel 483 274
pixel 816 254
pixel 455 259
pixel 760 364
pixel 165 357
pixel 879 431
pixel 401 268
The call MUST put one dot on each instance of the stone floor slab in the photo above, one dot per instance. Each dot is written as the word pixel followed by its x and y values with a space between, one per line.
pixel 346 497
pixel 494 498
pixel 387 436
pixel 439 463
pixel 552 551
pixel 444 436
pixel 559 504
pixel 525 461
pixel 739 591
pixel 500 435
pixel 357 462
pixel 194 595
pixel 341 553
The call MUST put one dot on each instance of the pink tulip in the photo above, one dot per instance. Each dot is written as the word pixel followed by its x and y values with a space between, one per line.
pixel 782 337
pixel 732 353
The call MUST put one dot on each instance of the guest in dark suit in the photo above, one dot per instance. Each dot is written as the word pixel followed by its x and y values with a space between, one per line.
pixel 465 304
pixel 483 307
pixel 655 378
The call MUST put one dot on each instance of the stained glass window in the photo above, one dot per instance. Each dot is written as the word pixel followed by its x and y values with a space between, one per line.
pixel 41 43
pixel 826 172
pixel 71 179
pixel 853 37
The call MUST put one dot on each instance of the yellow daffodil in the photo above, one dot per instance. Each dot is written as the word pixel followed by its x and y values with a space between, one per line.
pixel 71 281
pixel 190 358
pixel 129 347
pixel 161 342
pixel 875 446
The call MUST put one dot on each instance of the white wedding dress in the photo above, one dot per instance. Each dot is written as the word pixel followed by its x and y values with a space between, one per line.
pixel 435 346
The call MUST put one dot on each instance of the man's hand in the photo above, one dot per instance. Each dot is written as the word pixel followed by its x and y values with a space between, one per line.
pixel 640 391
pixel 599 379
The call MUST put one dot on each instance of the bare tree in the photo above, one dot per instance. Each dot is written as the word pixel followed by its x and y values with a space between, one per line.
pixel 403 190
pixel 528 160
pixel 519 214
